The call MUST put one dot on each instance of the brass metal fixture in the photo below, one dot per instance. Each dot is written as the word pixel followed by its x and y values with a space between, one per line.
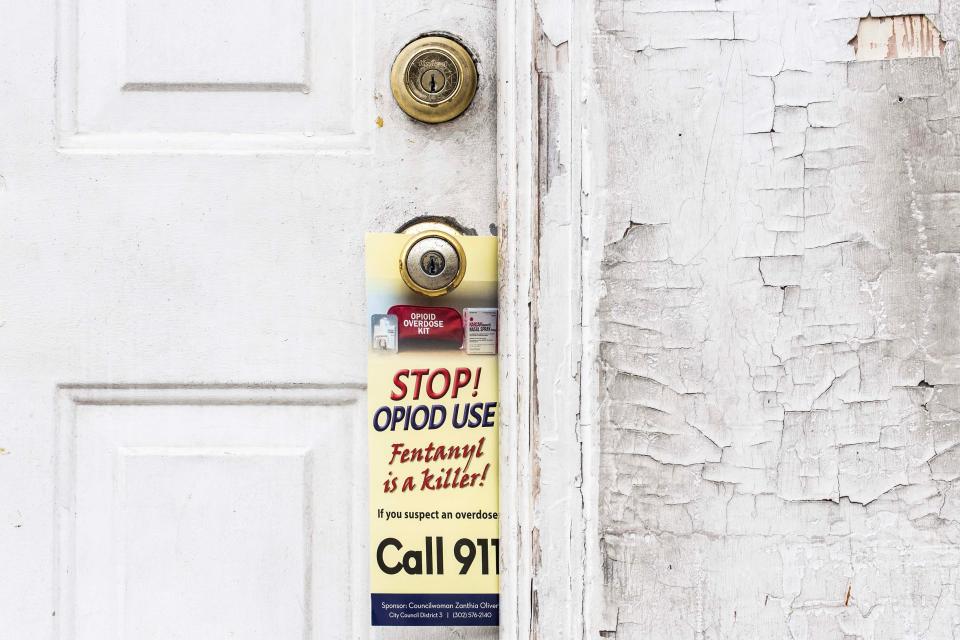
pixel 434 79
pixel 433 263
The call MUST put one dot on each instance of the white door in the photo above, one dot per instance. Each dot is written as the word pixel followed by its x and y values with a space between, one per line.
pixel 185 187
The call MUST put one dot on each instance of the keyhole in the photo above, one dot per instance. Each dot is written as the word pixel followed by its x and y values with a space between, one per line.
pixel 432 81
pixel 432 263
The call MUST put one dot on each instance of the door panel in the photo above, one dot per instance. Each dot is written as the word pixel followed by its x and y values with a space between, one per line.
pixel 288 74
pixel 184 188
pixel 209 512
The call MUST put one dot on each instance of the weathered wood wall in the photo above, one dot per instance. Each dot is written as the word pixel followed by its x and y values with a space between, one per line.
pixel 780 321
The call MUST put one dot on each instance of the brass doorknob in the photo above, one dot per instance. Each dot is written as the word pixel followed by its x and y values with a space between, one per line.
pixel 434 79
pixel 433 263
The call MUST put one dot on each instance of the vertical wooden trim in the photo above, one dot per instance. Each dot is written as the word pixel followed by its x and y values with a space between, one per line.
pixel 585 125
pixel 516 160
pixel 550 243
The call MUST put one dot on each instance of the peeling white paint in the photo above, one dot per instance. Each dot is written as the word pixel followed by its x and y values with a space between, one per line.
pixel 779 333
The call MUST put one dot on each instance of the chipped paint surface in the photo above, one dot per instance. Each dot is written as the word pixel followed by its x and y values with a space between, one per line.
pixel 897 37
pixel 780 336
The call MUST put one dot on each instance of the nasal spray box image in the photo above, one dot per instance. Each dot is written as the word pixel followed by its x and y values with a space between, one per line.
pixel 481 328
pixel 432 397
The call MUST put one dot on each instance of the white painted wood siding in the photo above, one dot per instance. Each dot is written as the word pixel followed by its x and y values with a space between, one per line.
pixel 779 329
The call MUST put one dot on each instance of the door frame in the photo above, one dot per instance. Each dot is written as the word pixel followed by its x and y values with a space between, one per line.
pixel 551 244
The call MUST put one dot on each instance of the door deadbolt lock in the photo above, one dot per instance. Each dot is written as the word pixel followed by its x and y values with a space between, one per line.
pixel 434 79
pixel 433 263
